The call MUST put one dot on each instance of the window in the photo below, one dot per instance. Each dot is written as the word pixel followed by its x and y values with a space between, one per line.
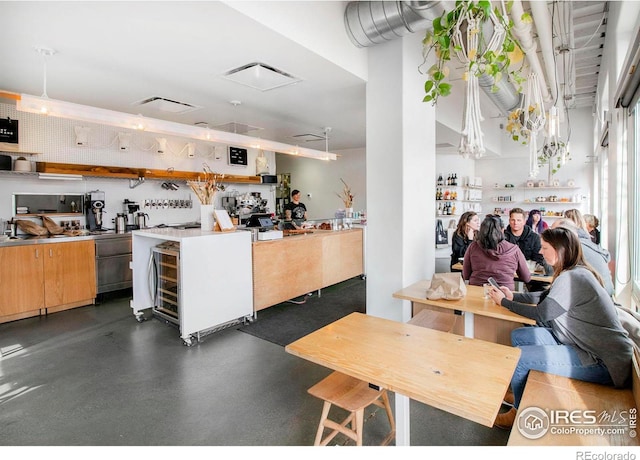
pixel 634 203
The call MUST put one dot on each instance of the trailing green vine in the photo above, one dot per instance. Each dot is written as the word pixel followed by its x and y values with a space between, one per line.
pixel 482 61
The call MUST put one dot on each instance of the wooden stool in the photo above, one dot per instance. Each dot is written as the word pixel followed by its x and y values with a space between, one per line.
pixel 354 396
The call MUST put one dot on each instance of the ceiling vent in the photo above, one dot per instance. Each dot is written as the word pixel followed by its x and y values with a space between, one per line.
pixel 308 137
pixel 236 128
pixel 260 76
pixel 166 105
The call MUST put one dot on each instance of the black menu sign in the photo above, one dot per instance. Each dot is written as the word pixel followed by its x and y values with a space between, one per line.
pixel 8 131
pixel 237 156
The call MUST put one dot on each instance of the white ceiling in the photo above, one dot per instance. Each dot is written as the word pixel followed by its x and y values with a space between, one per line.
pixel 114 54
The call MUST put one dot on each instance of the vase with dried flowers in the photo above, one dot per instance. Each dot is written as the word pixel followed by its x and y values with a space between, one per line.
pixel 206 190
pixel 347 198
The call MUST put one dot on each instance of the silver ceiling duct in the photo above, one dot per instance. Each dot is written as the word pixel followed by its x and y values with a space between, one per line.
pixel 370 23
pixel 373 22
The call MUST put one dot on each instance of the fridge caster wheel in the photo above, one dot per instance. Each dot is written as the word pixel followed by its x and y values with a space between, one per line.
pixel 188 341
pixel 139 317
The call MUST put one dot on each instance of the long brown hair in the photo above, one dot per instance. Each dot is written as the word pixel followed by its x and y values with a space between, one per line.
pixel 567 245
pixel 462 223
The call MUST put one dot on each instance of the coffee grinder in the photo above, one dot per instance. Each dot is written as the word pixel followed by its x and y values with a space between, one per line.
pixel 131 208
pixel 95 207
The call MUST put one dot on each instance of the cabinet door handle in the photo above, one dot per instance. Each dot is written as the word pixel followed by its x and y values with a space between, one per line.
pixel 152 274
pixel 50 253
pixel 37 254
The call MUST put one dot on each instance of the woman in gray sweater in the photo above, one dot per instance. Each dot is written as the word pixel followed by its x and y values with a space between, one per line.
pixel 579 334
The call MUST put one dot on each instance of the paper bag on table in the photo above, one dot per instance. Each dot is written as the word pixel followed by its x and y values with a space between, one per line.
pixel 448 286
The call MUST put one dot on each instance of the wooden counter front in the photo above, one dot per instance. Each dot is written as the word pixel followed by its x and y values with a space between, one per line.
pixel 296 265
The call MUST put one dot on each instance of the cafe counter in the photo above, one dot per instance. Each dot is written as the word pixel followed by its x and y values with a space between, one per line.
pixel 293 266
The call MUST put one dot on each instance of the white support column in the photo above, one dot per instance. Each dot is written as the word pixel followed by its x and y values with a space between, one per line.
pixel 400 175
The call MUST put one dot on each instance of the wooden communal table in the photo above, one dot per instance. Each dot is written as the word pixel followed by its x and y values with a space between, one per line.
pixel 483 318
pixel 463 376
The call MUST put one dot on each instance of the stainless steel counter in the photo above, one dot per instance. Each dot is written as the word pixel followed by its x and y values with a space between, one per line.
pixel 29 239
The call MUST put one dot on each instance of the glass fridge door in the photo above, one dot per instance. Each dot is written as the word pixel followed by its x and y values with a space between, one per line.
pixel 167 292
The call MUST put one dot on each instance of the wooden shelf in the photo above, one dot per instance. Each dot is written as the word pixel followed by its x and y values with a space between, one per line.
pixel 135 173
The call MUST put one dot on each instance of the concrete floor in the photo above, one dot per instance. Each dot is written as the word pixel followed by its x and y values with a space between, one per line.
pixel 94 376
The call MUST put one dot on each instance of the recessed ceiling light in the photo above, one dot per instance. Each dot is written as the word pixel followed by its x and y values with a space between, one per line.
pixel 167 105
pixel 260 76
pixel 308 137
pixel 238 128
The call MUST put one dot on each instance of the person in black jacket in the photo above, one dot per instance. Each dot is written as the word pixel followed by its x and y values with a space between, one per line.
pixel 468 227
pixel 528 241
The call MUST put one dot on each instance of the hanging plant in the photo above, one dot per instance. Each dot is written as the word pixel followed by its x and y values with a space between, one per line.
pixel 482 41
pixel 555 154
pixel 492 56
pixel 518 127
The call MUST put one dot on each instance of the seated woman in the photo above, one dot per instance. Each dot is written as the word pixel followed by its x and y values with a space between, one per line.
pixel 466 232
pixel 592 227
pixel 576 216
pixel 535 221
pixel 490 255
pixel 579 334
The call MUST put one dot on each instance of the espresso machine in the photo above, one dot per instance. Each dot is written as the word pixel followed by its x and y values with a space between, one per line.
pixel 94 209
pixel 131 208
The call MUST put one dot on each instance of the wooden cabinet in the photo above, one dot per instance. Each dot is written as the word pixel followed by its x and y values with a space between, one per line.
pixel 296 265
pixel 342 257
pixel 54 277
pixel 69 273
pixel 21 279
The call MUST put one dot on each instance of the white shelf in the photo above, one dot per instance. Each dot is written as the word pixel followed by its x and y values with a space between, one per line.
pixel 535 202
pixel 551 202
pixel 533 188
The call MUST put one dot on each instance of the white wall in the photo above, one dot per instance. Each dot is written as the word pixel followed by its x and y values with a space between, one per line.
pixel 54 141
pixel 322 180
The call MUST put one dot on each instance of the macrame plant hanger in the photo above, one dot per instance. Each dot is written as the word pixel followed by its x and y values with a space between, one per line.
pixel 533 121
pixel 471 142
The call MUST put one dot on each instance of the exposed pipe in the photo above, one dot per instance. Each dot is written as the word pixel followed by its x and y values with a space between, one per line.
pixel 506 98
pixel 523 32
pixel 372 22
pixel 542 19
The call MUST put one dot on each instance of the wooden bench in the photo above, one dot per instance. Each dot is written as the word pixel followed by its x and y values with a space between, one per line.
pixel 440 321
pixel 566 400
